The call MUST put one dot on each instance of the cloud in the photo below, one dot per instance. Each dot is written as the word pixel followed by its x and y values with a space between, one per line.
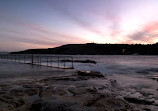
pixel 82 23
pixel 115 23
pixel 110 20
pixel 151 27
pixel 37 32
pixel 56 36
pixel 148 34
pixel 26 40
pixel 138 35
pixel 39 39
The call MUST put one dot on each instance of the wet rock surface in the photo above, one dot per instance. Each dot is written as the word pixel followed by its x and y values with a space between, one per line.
pixel 79 91
pixel 151 73
pixel 80 61
pixel 138 101
pixel 90 73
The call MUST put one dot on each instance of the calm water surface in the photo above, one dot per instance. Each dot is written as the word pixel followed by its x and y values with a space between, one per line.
pixel 106 64
pixel 116 64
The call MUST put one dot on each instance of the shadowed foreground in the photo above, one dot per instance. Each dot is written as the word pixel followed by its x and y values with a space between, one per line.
pixel 72 92
pixel 78 91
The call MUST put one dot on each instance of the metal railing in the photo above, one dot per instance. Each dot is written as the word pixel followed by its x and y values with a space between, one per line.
pixel 40 60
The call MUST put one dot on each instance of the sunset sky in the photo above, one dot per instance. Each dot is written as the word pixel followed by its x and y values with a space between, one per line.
pixel 28 24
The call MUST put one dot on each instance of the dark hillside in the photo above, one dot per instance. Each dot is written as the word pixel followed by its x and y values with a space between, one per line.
pixel 97 49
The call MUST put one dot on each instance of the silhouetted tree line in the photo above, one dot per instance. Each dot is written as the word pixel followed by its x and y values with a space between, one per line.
pixel 97 49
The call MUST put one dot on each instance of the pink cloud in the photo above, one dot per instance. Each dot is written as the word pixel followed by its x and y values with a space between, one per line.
pixel 147 34
pixel 153 26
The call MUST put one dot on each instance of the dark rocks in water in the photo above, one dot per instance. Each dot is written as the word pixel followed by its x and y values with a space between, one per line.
pixel 155 78
pixel 153 69
pixel 90 73
pixel 143 72
pixel 148 71
pixel 80 61
pixel 138 101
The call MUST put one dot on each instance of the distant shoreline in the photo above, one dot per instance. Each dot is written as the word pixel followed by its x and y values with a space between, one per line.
pixel 97 49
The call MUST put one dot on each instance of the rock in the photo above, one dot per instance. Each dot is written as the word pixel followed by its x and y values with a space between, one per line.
pixel 90 73
pixel 138 101
pixel 77 91
pixel 18 103
pixel 32 86
pixel 57 105
pixel 93 100
pixel 12 101
pixel 32 91
pixel 36 106
pixel 145 94
pixel 113 82
pixel 91 89
pixel 17 92
pixel 80 61
pixel 146 109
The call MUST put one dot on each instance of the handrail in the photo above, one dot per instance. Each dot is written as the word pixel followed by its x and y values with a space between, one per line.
pixel 40 60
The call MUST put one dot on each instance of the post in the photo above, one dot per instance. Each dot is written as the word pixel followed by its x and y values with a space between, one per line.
pixel 19 57
pixel 32 59
pixel 64 63
pixel 72 62
pixel 15 58
pixel 47 60
pixel 51 61
pixel 40 60
pixel 7 57
pixel 24 58
pixel 58 62
pixel 4 57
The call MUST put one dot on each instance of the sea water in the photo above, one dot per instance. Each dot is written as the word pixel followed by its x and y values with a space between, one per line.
pixel 117 64
pixel 106 64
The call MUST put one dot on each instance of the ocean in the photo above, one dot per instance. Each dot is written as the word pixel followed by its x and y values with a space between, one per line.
pixel 106 64
pixel 118 64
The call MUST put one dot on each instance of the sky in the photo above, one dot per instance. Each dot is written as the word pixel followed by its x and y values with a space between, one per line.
pixel 30 24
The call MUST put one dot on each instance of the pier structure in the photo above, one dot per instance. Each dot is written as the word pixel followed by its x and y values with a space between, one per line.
pixel 40 60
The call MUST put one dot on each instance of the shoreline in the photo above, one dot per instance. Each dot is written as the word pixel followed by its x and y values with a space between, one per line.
pixel 75 92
